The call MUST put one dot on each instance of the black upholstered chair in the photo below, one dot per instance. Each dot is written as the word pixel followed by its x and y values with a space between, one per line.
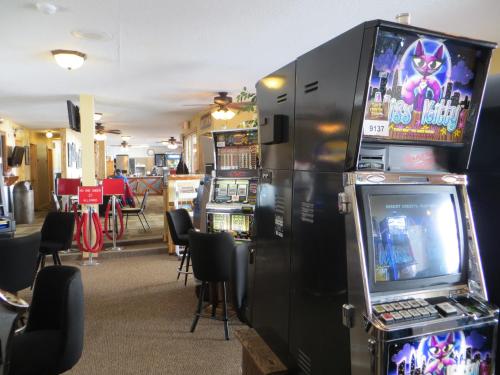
pixel 137 211
pixel 18 257
pixel 179 224
pixel 57 235
pixel 211 254
pixel 55 202
pixel 53 340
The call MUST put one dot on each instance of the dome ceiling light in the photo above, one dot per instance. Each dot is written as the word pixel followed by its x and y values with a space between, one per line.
pixel 93 35
pixel 68 59
pixel 223 114
pixel 47 8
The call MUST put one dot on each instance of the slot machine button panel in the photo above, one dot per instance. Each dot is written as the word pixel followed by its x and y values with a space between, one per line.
pixel 423 311
pixel 405 305
pixel 387 318
pixel 422 302
pixel 397 316
pixel 396 306
pixel 378 309
pixel 405 314
pixel 446 308
pixel 414 304
pixel 388 307
pixel 431 310
pixel 415 313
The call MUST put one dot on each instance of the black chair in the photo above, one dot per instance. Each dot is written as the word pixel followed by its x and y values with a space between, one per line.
pixel 211 254
pixel 18 258
pixel 57 235
pixel 53 340
pixel 137 211
pixel 179 225
pixel 55 202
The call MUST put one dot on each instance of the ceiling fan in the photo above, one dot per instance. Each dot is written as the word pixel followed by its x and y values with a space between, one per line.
pixel 171 143
pixel 125 144
pixel 101 129
pixel 222 105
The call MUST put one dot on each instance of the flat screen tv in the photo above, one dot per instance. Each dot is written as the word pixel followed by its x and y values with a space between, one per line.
pixel 17 157
pixel 414 236
pixel 73 116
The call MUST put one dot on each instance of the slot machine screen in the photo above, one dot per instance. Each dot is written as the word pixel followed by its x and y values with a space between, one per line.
pixel 422 88
pixel 229 190
pixel 413 237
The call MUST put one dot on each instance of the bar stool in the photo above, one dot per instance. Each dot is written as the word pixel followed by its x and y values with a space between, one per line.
pixel 179 224
pixel 211 254
pixel 57 235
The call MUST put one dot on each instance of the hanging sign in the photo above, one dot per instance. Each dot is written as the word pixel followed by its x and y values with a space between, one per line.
pixel 90 195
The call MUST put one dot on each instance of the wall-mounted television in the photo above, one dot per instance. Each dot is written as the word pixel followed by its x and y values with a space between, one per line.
pixel 73 116
pixel 16 159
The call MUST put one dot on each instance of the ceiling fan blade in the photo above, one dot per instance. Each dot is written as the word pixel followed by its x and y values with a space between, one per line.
pixel 197 105
pixel 113 131
pixel 240 105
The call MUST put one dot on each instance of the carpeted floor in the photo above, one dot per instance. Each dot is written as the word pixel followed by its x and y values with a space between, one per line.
pixel 138 318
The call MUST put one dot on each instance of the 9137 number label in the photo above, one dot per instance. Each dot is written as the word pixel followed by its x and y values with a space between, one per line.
pixel 376 128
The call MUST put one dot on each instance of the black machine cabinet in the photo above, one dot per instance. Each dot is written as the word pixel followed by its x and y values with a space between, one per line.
pixel 484 180
pixel 390 104
pixel 270 263
pixel 318 281
pixel 277 98
pixel 271 288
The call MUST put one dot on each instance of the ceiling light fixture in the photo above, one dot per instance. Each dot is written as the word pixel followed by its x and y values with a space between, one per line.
pixel 151 152
pixel 97 116
pixel 47 8
pixel 172 146
pixel 49 134
pixel 223 114
pixel 67 59
pixel 93 35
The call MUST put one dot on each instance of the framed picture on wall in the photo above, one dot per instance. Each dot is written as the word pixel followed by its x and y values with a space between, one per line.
pixel 206 121
pixel 68 155
pixel 27 156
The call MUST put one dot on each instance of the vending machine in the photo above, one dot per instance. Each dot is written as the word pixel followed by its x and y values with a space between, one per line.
pixel 380 270
pixel 233 190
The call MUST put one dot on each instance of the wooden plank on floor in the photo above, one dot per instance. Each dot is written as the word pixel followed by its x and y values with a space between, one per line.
pixel 258 358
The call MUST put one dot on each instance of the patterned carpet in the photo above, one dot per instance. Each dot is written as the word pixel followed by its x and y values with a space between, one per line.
pixel 138 318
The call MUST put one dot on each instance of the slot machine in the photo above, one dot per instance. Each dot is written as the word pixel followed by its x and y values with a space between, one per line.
pixel 384 273
pixel 233 190
pixel 231 203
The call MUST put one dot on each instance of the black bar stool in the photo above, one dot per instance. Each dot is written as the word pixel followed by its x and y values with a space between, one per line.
pixel 211 254
pixel 57 235
pixel 179 224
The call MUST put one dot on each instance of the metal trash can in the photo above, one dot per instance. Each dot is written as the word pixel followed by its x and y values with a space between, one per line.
pixel 24 203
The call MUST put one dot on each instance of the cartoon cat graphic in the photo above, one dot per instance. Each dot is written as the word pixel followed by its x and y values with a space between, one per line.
pixel 440 355
pixel 416 89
